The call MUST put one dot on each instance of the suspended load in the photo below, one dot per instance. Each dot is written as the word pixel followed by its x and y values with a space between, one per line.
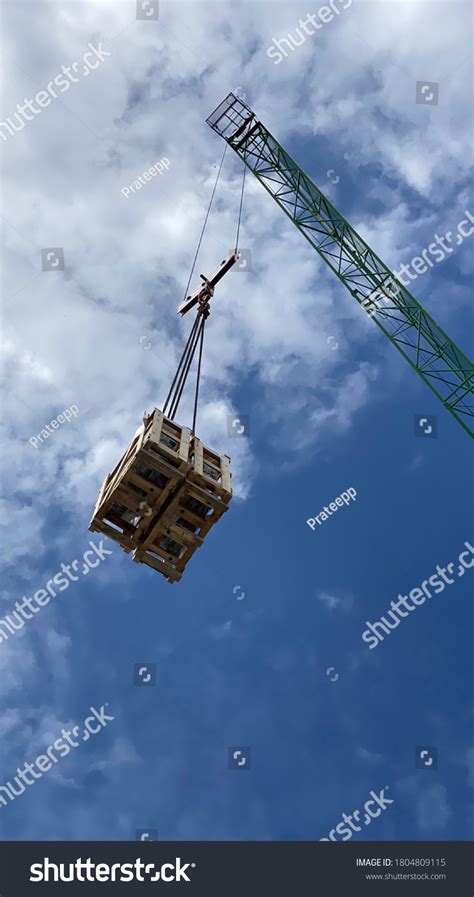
pixel 168 489
pixel 165 494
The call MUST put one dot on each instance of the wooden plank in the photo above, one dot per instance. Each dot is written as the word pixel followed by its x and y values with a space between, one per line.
pixel 185 444
pixel 123 540
pixel 226 475
pixel 161 566
pixel 198 455
pixel 101 494
pixel 153 432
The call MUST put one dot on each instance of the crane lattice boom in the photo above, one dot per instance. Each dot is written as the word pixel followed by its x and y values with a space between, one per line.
pixel 440 363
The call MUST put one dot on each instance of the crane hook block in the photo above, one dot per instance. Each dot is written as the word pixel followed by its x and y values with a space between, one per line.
pixel 204 292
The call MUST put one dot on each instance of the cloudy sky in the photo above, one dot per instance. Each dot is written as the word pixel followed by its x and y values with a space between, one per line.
pixel 330 404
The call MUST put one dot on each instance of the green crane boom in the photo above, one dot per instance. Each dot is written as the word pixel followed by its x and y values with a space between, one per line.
pixel 440 363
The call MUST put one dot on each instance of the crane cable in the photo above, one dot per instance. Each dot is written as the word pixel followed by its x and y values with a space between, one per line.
pixel 240 209
pixel 179 381
pixel 205 223
pixel 196 335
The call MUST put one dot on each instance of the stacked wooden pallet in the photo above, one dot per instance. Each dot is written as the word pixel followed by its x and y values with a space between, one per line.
pixel 163 497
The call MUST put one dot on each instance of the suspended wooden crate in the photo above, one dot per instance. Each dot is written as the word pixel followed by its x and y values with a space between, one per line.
pixel 163 497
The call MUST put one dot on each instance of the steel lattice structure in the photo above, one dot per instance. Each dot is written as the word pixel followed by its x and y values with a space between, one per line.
pixel 438 361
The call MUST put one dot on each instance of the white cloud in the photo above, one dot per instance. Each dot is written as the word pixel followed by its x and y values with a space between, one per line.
pixel 221 630
pixel 370 757
pixel 335 602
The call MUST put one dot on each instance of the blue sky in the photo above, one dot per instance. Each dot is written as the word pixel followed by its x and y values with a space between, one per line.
pixel 229 672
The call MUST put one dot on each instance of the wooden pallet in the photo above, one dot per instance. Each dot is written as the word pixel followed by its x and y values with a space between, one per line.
pixel 171 549
pixel 163 497
pixel 185 522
